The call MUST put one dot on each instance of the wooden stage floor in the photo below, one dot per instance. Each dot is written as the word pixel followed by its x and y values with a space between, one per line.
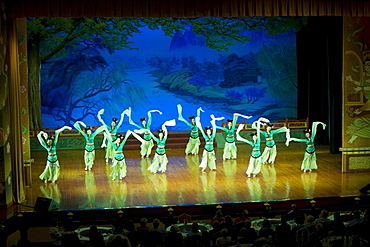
pixel 185 184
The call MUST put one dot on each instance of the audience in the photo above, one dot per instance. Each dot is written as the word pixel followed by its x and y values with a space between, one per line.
pixel 95 237
pixel 156 234
pixel 174 238
pixel 225 239
pixel 243 217
pixel 307 231
pixel 282 231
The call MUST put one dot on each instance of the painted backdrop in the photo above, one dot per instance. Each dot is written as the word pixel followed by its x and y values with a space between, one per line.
pixel 224 65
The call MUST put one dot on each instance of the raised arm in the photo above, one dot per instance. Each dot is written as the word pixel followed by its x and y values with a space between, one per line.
pixel 130 120
pixel 235 118
pixel 314 128
pixel 149 122
pixel 58 131
pixel 139 138
pixel 128 133
pixel 42 136
pixel 99 116
pixel 257 124
pixel 239 138
pixel 181 118
pixel 99 130
pixel 198 111
pixel 199 125
pixel 259 130
pixel 167 123
pixel 213 123
pixel 77 127
pixel 108 137
pixel 122 117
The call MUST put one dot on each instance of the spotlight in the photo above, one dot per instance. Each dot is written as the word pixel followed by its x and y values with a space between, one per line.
pixel 120 214
pixel 70 216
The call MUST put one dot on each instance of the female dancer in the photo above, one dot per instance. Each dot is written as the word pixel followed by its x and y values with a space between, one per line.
pixel 309 159
pixel 89 155
pixel 119 164
pixel 230 147
pixel 146 143
pixel 255 161
pixel 112 131
pixel 159 163
pixel 193 144
pixel 269 153
pixel 52 168
pixel 209 158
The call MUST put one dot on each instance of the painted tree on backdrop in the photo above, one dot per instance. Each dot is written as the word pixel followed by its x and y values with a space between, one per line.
pixel 48 37
pixel 66 97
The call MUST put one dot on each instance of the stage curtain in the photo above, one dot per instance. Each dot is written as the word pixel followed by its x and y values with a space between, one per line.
pixel 186 8
pixel 15 112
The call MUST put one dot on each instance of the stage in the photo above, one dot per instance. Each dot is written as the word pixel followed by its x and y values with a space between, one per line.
pixel 185 184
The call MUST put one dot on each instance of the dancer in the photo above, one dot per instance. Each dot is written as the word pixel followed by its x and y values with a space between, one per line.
pixel 192 147
pixel 49 142
pixel 309 159
pixel 159 163
pixel 269 153
pixel 209 158
pixel 89 155
pixel 119 163
pixel 255 161
pixel 147 144
pixel 230 147
pixel 112 131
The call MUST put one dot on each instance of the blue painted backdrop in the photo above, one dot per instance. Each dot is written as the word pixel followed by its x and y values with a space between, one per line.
pixel 258 78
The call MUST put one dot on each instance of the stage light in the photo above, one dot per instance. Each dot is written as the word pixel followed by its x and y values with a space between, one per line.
pixel 267 210
pixel 70 216
pixel 120 214
pixel 267 206
pixel 357 203
pixel 313 203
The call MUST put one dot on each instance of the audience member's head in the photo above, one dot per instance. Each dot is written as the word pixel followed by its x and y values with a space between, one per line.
pixel 266 224
pixel 245 213
pixel 324 214
pixel 310 219
pixel 174 228
pixel 195 227
pixel 228 220
pixel 224 233
pixel 357 214
pixel 143 222
pixel 299 220
pixel 156 223
pixel 284 219
pixel 129 225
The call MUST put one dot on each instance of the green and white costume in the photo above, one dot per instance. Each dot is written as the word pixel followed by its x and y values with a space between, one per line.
pixel 192 147
pixel 52 168
pixel 230 148
pixel 160 161
pixel 147 144
pixel 255 161
pixel 109 150
pixel 209 157
pixel 270 152
pixel 119 169
pixel 309 159
pixel 89 156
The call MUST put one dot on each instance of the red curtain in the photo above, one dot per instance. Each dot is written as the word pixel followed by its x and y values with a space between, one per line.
pixel 185 8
